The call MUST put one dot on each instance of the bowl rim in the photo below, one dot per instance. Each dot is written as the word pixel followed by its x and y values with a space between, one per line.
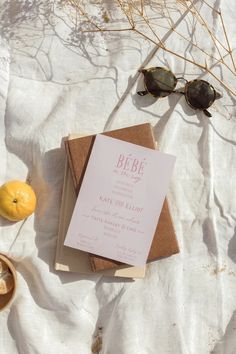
pixel 7 261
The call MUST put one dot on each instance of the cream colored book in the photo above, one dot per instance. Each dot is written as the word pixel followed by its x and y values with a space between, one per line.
pixel 71 260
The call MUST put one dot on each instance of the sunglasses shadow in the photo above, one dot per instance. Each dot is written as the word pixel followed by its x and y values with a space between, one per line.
pixel 148 100
pixel 142 101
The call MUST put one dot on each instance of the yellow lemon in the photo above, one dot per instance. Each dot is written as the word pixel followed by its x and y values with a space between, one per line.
pixel 17 200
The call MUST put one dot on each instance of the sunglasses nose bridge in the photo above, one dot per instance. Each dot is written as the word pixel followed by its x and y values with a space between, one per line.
pixel 181 78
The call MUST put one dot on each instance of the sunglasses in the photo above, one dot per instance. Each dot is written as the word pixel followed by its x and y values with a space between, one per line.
pixel 161 82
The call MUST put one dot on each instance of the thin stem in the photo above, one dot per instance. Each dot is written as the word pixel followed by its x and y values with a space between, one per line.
pixel 227 40
pixel 203 22
pixel 211 7
pixel 142 7
pixel 221 60
pixel 129 9
pixel 218 12
pixel 125 13
pixel 107 30
pixel 75 3
pixel 203 67
pixel 157 37
pixel 17 235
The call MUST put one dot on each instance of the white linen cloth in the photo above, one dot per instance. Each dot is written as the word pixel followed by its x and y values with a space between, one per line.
pixel 55 80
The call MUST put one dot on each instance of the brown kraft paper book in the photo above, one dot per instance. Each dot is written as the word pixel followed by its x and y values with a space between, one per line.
pixel 164 243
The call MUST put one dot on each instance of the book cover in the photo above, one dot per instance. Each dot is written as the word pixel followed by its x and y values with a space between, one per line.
pixel 71 260
pixel 78 150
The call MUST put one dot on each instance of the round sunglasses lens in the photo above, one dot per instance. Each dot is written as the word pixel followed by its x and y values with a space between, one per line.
pixel 159 82
pixel 200 94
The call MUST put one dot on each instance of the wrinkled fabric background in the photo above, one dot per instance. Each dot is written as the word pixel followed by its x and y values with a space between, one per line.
pixel 55 80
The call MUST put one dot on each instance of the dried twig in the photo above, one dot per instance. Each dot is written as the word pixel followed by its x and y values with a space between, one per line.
pixel 138 21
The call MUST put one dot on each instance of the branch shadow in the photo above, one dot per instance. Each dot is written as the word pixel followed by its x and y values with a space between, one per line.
pixel 232 247
pixel 26 25
pixel 209 237
pixel 227 344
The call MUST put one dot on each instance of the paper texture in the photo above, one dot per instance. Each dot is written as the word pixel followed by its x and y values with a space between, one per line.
pixel 120 200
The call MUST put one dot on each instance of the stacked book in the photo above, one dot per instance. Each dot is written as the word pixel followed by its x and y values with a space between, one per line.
pixel 69 259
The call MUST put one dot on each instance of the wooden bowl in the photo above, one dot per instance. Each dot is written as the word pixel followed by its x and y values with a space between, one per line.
pixel 6 299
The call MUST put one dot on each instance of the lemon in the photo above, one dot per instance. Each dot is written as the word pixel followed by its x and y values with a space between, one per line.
pixel 17 200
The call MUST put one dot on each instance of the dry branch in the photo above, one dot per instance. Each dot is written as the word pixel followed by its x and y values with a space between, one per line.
pixel 135 15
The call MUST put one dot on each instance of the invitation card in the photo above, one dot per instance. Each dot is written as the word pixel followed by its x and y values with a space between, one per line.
pixel 120 200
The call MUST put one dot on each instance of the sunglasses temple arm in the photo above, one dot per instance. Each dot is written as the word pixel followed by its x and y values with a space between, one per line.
pixel 142 93
pixel 207 113
pixel 182 78
pixel 218 95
